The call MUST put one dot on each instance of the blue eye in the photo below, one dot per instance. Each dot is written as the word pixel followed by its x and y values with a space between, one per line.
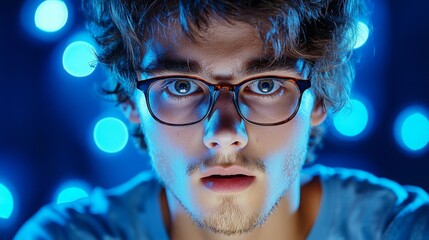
pixel 181 87
pixel 264 86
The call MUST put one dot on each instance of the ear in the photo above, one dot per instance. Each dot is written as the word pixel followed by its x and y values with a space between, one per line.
pixel 319 114
pixel 130 111
pixel 129 107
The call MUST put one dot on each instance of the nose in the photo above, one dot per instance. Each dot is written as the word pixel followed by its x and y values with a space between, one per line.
pixel 224 128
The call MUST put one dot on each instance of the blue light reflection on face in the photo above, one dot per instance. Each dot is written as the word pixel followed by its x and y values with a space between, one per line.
pixel 412 129
pixel 79 59
pixel 51 15
pixel 6 202
pixel 110 135
pixel 352 121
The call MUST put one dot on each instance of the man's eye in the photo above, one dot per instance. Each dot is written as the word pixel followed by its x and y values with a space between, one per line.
pixel 181 87
pixel 264 86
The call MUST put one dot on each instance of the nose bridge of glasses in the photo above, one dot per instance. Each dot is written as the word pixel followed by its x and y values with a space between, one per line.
pixel 223 99
pixel 227 87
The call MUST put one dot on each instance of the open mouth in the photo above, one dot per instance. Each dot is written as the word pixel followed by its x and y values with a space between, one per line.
pixel 227 183
pixel 227 176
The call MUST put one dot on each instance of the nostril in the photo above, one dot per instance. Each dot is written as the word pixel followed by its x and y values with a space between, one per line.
pixel 212 145
pixel 224 142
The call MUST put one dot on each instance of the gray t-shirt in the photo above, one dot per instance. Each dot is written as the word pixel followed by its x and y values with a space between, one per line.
pixel 355 205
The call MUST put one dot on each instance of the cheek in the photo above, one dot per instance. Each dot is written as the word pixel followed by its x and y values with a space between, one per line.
pixel 283 148
pixel 289 137
pixel 286 151
pixel 168 146
pixel 285 158
pixel 169 139
pixel 285 139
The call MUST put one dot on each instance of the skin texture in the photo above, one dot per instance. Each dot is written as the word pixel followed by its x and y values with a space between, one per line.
pixel 270 208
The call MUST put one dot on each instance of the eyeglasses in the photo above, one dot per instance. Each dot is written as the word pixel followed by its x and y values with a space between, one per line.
pixel 181 101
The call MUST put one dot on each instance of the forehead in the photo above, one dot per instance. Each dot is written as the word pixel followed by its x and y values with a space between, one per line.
pixel 227 37
pixel 220 37
pixel 223 47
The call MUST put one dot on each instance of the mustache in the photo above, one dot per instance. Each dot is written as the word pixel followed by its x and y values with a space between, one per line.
pixel 238 159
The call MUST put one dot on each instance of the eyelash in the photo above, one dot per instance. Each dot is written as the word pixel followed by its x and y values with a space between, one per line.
pixel 170 94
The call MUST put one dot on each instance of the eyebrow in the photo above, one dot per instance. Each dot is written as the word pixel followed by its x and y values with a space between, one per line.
pixel 253 66
pixel 184 66
pixel 266 64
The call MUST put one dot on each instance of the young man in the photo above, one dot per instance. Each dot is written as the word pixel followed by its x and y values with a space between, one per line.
pixel 229 98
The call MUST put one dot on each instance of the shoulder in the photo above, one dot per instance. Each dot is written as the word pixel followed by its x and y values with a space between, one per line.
pixel 360 185
pixel 358 202
pixel 107 214
pixel 411 219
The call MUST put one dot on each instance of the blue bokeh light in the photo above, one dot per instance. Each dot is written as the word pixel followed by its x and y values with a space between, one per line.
pixel 362 35
pixel 79 59
pixel 110 135
pixel 412 129
pixel 71 194
pixel 71 191
pixel 51 15
pixel 6 202
pixel 352 121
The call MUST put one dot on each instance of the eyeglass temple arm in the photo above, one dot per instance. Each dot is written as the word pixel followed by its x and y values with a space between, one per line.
pixel 303 84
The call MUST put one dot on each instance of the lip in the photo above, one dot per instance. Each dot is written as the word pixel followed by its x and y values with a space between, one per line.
pixel 225 171
pixel 227 179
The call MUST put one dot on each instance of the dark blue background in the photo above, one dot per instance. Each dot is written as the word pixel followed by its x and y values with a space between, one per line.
pixel 47 116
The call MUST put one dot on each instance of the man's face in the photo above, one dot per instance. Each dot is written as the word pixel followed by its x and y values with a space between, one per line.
pixel 262 162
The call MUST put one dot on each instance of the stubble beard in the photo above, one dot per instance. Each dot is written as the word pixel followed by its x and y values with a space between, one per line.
pixel 229 219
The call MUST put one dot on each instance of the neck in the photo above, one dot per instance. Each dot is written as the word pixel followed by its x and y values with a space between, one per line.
pixel 290 220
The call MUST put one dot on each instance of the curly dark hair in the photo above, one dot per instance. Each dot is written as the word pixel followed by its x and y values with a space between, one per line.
pixel 319 32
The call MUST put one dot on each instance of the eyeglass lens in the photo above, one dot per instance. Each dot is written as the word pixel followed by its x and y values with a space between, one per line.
pixel 184 101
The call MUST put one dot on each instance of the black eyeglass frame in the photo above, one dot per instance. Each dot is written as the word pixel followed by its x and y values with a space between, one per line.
pixel 145 85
